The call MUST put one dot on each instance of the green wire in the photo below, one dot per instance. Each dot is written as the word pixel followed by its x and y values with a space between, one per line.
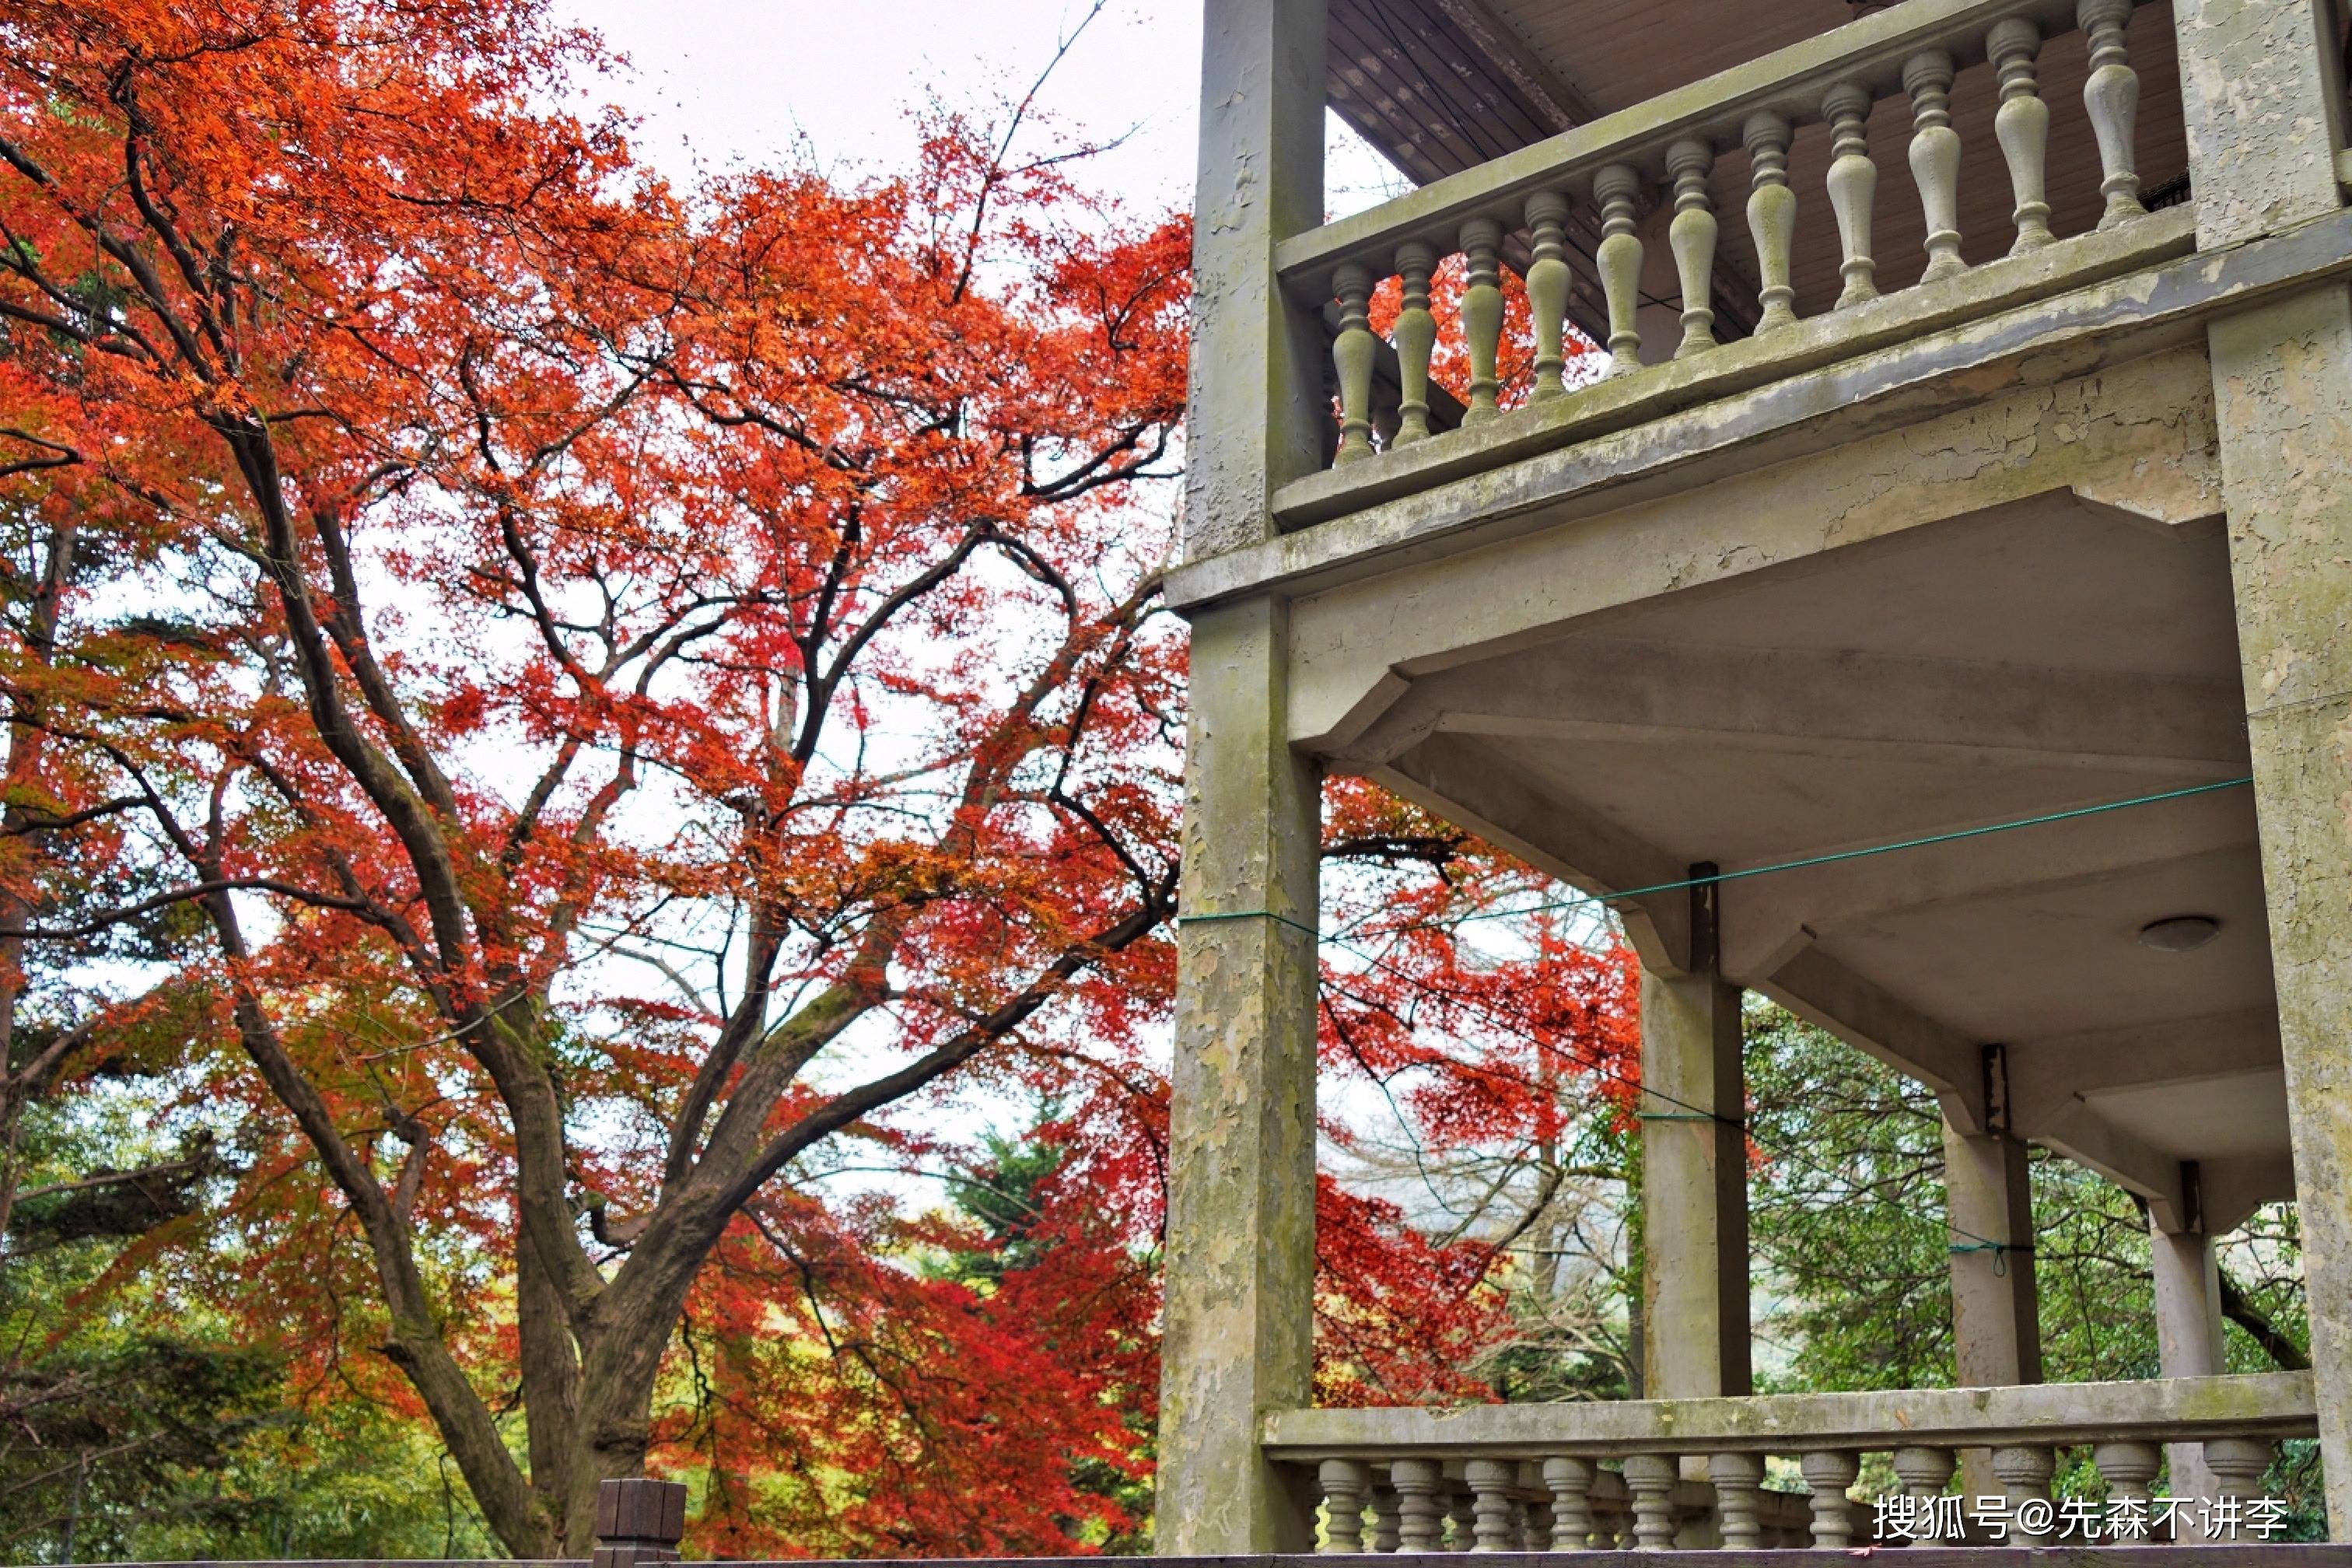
pixel 1589 900
pixel 1975 1243
pixel 1999 1250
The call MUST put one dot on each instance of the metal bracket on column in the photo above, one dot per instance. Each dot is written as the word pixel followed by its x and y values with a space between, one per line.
pixel 1996 1088
pixel 1705 917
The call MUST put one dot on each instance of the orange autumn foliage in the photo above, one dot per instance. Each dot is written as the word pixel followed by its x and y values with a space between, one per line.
pixel 573 714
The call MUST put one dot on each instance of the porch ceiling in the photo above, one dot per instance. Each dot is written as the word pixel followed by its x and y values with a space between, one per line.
pixel 2033 658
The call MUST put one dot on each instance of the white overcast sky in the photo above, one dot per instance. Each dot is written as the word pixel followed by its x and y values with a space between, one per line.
pixel 718 82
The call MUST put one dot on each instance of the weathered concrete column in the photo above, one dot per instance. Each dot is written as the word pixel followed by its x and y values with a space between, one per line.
pixel 2262 89
pixel 2263 93
pixel 1695 1342
pixel 1241 1200
pixel 1239 1318
pixel 1257 417
pixel 1996 1307
pixel 2187 1344
pixel 2282 394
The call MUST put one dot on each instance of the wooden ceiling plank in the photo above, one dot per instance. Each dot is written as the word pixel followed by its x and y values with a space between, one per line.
pixel 1561 105
pixel 1394 94
pixel 1480 107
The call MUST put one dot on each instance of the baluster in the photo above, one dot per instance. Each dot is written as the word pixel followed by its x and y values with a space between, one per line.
pixel 2112 95
pixel 1772 218
pixel 2128 1467
pixel 1738 1478
pixel 1482 313
pixel 1829 1472
pixel 1691 236
pixel 1936 160
pixel 1569 1480
pixel 1464 1516
pixel 1619 261
pixel 1548 289
pixel 1330 392
pixel 1853 186
pixel 1539 1517
pixel 1344 1482
pixel 1651 1478
pixel 1416 339
pixel 1421 1494
pixel 1385 1516
pixel 1489 1486
pixel 2024 1478
pixel 2022 126
pixel 1352 353
pixel 1923 1473
pixel 2237 1464
pixel 1618 1532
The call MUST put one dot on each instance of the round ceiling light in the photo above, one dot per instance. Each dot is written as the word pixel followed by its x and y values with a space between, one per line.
pixel 2180 933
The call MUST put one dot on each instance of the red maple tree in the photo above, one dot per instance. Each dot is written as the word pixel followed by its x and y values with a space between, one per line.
pixel 578 712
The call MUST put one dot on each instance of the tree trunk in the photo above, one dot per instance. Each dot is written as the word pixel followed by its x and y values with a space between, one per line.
pixel 550 1391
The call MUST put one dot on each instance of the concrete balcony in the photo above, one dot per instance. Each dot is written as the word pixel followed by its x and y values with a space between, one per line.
pixel 1986 110
pixel 1935 616
pixel 2048 245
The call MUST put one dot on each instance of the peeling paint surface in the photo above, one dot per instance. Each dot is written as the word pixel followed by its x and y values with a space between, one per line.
pixel 1241 1219
pixel 2262 96
pixel 2283 387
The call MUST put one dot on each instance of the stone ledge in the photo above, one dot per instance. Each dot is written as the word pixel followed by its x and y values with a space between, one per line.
pixel 2157 1410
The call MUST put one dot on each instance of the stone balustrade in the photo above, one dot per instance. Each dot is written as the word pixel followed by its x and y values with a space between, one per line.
pixel 1562 1504
pixel 1662 153
pixel 1561 1477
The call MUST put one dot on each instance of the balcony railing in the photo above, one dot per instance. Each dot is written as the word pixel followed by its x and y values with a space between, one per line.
pixel 1531 1477
pixel 1665 150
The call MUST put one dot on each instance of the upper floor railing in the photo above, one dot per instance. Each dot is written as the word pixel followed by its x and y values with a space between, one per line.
pixel 1665 150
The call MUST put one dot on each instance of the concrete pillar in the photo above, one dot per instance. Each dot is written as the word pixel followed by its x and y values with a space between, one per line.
pixel 1694 1342
pixel 2282 394
pixel 2187 1344
pixel 1239 1320
pixel 1996 1308
pixel 2262 86
pixel 1258 418
pixel 2262 93
pixel 1238 1326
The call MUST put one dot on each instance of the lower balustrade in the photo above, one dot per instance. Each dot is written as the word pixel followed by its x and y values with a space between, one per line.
pixel 1658 1474
pixel 1562 1504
